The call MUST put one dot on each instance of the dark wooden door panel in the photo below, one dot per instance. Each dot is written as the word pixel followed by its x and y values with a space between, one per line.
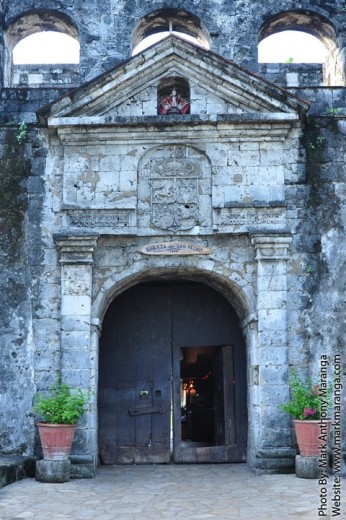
pixel 144 332
pixel 203 318
pixel 224 396
pixel 135 375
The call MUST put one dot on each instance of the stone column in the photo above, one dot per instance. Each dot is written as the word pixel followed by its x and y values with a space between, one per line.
pixel 269 364
pixel 77 359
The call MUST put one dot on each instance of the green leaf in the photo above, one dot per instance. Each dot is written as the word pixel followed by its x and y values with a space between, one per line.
pixel 62 405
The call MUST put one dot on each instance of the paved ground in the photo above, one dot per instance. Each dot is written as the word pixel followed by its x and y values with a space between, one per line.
pixel 191 492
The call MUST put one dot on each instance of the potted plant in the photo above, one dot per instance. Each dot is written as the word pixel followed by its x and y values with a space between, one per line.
pixel 59 410
pixel 308 406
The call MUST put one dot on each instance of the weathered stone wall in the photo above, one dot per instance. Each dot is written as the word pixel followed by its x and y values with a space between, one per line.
pixel 293 74
pixel 320 238
pixel 38 76
pixel 17 370
pixel 325 142
pixel 233 26
pixel 35 204
pixel 19 105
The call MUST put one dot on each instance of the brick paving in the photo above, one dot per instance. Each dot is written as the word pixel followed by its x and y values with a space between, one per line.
pixel 198 492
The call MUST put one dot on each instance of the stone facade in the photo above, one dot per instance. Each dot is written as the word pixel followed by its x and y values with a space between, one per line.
pixel 251 182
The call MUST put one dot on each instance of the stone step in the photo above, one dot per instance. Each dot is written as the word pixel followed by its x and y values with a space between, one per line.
pixel 15 467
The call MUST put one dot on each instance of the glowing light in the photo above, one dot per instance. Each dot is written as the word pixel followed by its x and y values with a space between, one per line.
pixel 47 47
pixel 153 38
pixel 291 46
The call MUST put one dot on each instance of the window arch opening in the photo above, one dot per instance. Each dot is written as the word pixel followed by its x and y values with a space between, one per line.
pixel 46 47
pixel 173 96
pixel 160 24
pixel 291 47
pixel 38 24
pixel 153 38
pixel 313 25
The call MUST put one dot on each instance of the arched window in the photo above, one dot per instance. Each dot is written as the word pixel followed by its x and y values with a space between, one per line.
pixel 314 25
pixel 49 47
pixel 160 24
pixel 291 47
pixel 153 38
pixel 37 24
pixel 173 96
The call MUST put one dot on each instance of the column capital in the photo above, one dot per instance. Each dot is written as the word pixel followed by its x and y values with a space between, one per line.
pixel 271 246
pixel 76 249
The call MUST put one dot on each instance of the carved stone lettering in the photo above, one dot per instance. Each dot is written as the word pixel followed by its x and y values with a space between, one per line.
pixel 250 216
pixel 175 248
pixel 99 220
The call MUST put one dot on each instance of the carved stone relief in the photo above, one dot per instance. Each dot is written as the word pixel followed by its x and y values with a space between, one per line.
pixel 171 180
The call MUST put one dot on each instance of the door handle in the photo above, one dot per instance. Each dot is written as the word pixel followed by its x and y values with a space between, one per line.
pixel 140 410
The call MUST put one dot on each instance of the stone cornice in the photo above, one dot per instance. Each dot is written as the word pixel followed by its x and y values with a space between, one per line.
pixel 192 119
pixel 76 249
pixel 273 246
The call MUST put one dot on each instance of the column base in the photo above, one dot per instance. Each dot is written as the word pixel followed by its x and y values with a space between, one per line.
pixel 270 461
pixel 307 467
pixel 53 471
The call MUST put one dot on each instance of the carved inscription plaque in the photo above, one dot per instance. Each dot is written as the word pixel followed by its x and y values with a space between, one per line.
pixel 244 217
pixel 99 220
pixel 175 248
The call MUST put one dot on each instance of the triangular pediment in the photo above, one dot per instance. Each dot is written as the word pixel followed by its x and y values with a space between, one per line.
pixel 130 89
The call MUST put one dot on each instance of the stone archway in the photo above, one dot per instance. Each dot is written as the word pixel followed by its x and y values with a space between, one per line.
pixel 319 26
pixel 32 22
pixel 172 377
pixel 262 318
pixel 171 20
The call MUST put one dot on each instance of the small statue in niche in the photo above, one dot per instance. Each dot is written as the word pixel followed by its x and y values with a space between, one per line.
pixel 174 104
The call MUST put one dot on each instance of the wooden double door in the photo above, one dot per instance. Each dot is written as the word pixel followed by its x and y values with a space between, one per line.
pixel 172 383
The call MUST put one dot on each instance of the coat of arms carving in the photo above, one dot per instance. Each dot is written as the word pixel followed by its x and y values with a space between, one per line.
pixel 174 180
pixel 174 194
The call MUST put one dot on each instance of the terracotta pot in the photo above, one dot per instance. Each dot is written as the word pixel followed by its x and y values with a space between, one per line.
pixel 308 436
pixel 56 440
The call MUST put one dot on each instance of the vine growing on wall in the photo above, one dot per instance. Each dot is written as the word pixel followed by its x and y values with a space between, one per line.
pixel 22 133
pixel 316 143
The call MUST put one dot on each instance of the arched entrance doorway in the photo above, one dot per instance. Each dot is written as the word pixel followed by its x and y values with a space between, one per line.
pixel 172 377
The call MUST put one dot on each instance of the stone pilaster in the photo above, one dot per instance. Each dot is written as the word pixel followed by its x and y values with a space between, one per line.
pixel 269 362
pixel 77 363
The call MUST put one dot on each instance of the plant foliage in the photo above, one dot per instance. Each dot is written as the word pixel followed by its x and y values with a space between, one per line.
pixel 22 133
pixel 62 405
pixel 306 399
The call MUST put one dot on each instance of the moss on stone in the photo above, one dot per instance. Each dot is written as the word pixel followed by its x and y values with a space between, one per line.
pixel 320 135
pixel 14 170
